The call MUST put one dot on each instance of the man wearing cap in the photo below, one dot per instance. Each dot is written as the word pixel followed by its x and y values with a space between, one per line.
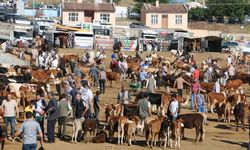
pixel 151 83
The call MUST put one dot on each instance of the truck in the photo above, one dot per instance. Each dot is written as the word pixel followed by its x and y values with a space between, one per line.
pixel 16 32
pixel 41 26
pixel 147 40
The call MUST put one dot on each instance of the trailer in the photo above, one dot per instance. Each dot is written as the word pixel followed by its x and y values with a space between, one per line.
pixel 16 32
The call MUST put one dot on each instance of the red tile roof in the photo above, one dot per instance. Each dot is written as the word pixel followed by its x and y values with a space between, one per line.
pixel 165 8
pixel 89 6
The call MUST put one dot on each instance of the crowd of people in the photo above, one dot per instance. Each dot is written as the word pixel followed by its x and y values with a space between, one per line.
pixel 74 99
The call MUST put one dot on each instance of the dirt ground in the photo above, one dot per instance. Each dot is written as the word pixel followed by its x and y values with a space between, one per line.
pixel 219 135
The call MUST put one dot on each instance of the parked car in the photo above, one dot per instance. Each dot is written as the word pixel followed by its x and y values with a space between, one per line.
pixel 134 15
pixel 137 25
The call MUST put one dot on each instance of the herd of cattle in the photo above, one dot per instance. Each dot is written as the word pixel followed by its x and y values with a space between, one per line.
pixel 23 82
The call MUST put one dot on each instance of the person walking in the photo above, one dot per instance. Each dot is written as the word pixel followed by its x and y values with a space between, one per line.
pixel 63 108
pixel 93 72
pixel 39 111
pixel 200 102
pixel 195 88
pixel 29 129
pixel 179 83
pixel 217 86
pixel 11 112
pixel 97 105
pixel 102 80
pixel 52 115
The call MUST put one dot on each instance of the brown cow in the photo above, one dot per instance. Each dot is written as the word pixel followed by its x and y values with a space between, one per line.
pixel 68 57
pixel 234 84
pixel 112 126
pixel 176 133
pixel 153 130
pixel 113 76
pixel 213 98
pixel 207 86
pixel 224 109
pixel 130 128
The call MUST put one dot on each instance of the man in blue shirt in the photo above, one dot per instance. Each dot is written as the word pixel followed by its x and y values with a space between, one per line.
pixel 143 76
pixel 29 131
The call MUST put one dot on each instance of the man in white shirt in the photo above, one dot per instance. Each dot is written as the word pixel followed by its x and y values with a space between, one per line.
pixel 10 110
pixel 217 86
pixel 229 60
pixel 231 71
pixel 87 96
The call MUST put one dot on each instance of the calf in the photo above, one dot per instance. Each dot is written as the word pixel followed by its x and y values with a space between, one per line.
pixel 213 98
pixel 89 125
pixel 234 84
pixel 240 112
pixel 165 132
pixel 153 130
pixel 121 123
pixel 176 133
pixel 112 126
pixel 194 120
pixel 130 128
pixel 77 127
pixel 101 137
pixel 113 76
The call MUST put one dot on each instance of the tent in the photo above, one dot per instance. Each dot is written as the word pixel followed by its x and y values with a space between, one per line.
pixel 213 43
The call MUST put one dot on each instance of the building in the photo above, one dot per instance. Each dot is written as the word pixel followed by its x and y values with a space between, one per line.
pixel 76 13
pixel 166 16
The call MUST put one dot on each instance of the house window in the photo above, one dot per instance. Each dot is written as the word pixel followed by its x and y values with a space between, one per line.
pixel 104 17
pixel 73 16
pixel 178 19
pixel 154 19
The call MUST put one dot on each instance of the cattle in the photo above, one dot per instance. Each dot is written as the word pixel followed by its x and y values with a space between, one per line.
pixel 133 67
pixel 241 110
pixel 194 120
pixel 158 99
pixel 77 127
pixel 17 79
pixel 130 128
pixel 3 70
pixel 176 133
pixel 113 76
pixel 224 109
pixel 121 123
pixel 3 82
pixel 213 98
pixel 165 132
pixel 153 129
pixel 245 78
pixel 68 57
pixel 207 86
pixel 101 137
pixel 234 84
pixel 41 76
pixel 112 126
pixel 89 125
pixel 113 110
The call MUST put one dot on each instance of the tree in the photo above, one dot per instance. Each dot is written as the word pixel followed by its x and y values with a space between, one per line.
pixel 234 9
pixel 197 14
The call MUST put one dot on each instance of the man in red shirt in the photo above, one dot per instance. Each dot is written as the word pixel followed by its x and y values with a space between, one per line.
pixel 196 73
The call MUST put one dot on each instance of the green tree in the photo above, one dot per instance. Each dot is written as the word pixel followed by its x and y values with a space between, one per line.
pixel 197 14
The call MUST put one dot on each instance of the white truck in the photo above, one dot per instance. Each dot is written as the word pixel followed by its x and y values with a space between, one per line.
pixel 147 40
pixel 16 32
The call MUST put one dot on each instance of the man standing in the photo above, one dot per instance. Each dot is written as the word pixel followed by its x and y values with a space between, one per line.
pixel 29 131
pixel 231 71
pixel 97 105
pixel 144 108
pixel 195 88
pixel 10 110
pixel 151 84
pixel 52 112
pixel 229 60
pixel 64 108
pixel 39 111
pixel 102 80
pixel 81 107
pixel 173 110
pixel 196 73
pixel 179 82
pixel 124 98
pixel 93 72
pixel 217 86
